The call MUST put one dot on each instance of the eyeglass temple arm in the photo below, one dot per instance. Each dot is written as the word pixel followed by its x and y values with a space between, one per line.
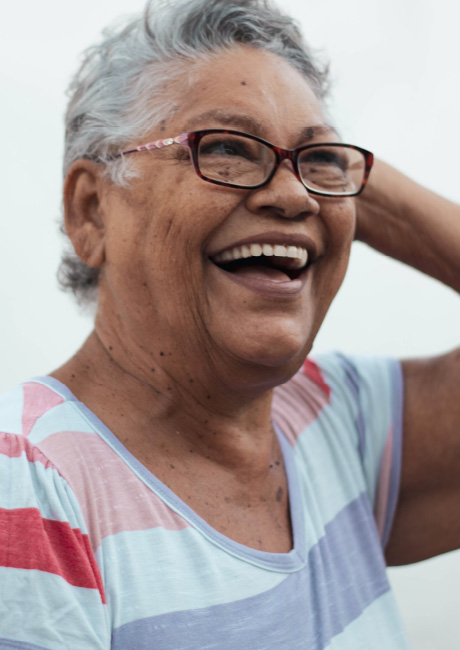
pixel 158 144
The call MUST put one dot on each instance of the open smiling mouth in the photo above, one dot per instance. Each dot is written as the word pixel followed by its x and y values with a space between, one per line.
pixel 275 263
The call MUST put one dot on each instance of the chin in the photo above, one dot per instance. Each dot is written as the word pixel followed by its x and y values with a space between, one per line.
pixel 267 352
pixel 281 355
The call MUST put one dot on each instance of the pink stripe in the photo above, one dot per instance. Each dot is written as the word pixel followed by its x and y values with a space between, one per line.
pixel 38 400
pixel 297 404
pixel 112 498
pixel 13 446
pixel 383 488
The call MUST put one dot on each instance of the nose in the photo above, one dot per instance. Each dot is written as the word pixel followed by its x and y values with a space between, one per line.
pixel 284 195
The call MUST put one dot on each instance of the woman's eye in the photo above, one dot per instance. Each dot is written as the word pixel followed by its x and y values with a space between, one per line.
pixel 327 157
pixel 225 148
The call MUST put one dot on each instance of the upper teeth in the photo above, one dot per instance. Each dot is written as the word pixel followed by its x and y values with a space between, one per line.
pixel 297 253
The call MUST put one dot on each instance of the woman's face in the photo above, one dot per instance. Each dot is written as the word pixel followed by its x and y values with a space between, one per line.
pixel 163 284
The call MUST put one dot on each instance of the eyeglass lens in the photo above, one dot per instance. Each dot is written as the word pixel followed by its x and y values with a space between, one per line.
pixel 241 161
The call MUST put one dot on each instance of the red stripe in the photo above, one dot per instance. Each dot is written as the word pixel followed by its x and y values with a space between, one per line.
pixel 313 372
pixel 38 400
pixel 27 541
pixel 13 446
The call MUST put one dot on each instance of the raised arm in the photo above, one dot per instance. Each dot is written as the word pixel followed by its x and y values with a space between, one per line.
pixel 403 220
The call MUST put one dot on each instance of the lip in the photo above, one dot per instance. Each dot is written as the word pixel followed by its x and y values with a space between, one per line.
pixel 280 238
pixel 275 290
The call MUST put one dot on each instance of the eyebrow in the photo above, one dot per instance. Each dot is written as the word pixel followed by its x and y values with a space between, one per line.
pixel 252 126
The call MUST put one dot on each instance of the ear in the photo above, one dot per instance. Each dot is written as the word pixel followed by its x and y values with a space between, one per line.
pixel 83 214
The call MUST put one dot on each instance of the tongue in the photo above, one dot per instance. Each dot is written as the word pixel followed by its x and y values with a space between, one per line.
pixel 262 273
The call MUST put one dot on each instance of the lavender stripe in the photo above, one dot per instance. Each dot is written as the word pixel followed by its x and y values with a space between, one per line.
pixel 353 381
pixel 350 370
pixel 19 645
pixel 359 418
pixel 395 474
pixel 345 573
pixel 361 428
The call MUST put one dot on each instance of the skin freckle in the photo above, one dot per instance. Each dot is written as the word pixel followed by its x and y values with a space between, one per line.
pixel 279 494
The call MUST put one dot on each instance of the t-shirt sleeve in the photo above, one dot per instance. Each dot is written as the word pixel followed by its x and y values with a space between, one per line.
pixel 367 392
pixel 51 591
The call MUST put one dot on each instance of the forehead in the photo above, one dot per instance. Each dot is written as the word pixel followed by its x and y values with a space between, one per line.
pixel 251 90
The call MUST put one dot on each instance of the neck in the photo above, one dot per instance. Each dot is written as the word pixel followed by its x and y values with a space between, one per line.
pixel 172 409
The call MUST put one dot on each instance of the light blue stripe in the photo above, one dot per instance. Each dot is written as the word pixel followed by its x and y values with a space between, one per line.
pixel 174 570
pixel 329 469
pixel 379 413
pixel 344 575
pixel 380 408
pixel 11 405
pixel 42 608
pixel 373 624
pixel 32 485
pixel 60 419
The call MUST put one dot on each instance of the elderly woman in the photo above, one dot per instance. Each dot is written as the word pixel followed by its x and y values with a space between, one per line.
pixel 157 492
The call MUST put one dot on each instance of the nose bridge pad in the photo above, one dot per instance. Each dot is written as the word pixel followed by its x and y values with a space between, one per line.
pixel 290 163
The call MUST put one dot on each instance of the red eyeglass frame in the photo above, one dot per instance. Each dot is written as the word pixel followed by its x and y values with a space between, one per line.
pixel 192 139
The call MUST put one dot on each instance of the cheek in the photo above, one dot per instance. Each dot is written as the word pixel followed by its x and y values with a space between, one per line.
pixel 340 220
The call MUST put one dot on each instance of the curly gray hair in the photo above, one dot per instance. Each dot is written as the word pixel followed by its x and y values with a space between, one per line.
pixel 119 91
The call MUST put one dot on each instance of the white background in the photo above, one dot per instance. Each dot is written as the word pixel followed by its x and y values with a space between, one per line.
pixel 396 91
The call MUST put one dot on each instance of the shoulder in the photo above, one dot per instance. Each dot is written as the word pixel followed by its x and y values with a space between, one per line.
pixel 42 531
pixel 352 387
pixel 30 478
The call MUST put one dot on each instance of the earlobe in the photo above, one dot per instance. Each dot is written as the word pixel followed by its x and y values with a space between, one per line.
pixel 83 211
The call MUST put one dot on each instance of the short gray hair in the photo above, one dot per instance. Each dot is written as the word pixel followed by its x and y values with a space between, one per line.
pixel 120 90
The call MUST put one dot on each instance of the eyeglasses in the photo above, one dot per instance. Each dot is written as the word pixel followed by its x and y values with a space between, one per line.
pixel 237 159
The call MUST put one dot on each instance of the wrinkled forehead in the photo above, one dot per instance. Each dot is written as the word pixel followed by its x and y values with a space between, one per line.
pixel 254 91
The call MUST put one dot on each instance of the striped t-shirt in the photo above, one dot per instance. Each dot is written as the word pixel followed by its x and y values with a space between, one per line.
pixel 96 553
